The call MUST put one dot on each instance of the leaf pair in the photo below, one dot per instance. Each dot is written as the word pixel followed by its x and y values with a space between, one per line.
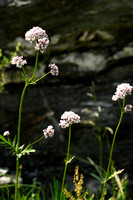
pixel 12 146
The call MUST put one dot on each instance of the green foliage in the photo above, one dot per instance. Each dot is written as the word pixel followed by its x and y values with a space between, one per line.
pixel 12 146
pixel 8 144
pixel 36 192
pixel 27 150
pixel 4 61
pixel 112 187
pixel 28 192
pixel 55 189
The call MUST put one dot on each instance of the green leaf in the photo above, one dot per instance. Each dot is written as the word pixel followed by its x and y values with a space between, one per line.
pixel 70 159
pixel 21 147
pixel 7 143
pixel 14 141
pixel 3 138
pixel 115 173
pixel 23 151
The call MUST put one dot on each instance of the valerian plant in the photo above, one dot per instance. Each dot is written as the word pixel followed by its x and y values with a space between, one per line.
pixel 39 37
pixel 122 91
pixel 67 119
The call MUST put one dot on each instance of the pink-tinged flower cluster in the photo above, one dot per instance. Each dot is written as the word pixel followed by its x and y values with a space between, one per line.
pixel 54 69
pixel 18 61
pixel 42 44
pixel 40 37
pixel 121 91
pixel 49 132
pixel 128 108
pixel 6 133
pixel 69 118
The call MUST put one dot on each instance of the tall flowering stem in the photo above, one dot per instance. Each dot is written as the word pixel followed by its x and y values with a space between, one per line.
pixel 121 91
pixel 67 119
pixel 112 147
pixel 66 162
pixel 18 141
pixel 41 40
pixel 19 62
pixel 49 132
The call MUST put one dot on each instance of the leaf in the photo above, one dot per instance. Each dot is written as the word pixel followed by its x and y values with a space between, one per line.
pixel 117 179
pixel 70 159
pixel 7 143
pixel 27 151
pixel 3 138
pixel 98 168
pixel 115 173
pixel 109 129
pixel 14 141
pixel 21 147
pixel 96 177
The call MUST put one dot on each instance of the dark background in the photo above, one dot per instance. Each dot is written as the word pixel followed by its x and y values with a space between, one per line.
pixel 89 41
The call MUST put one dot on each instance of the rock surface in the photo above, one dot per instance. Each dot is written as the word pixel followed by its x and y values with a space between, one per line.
pixel 90 41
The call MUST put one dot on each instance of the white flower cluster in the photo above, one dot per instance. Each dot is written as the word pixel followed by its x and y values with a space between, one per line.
pixel 6 133
pixel 69 118
pixel 128 108
pixel 54 69
pixel 18 61
pixel 49 132
pixel 121 91
pixel 40 37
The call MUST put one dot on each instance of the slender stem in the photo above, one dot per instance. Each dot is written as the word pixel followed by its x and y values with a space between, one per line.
pixel 39 78
pixel 25 75
pixel 19 123
pixel 18 141
pixel 36 141
pixel 99 124
pixel 66 162
pixel 36 64
pixel 100 149
pixel 112 147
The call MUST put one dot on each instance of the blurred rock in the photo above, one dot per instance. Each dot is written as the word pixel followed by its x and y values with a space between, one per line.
pixel 26 48
pixel 16 3
pixel 85 62
pixel 98 34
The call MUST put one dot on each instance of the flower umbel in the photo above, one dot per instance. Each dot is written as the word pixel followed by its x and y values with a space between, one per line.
pixel 38 35
pixel 121 91
pixel 18 61
pixel 6 133
pixel 54 69
pixel 49 131
pixel 69 118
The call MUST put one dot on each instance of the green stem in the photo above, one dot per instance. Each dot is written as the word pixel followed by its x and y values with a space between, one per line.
pixel 19 123
pixel 66 162
pixel 36 141
pixel 24 73
pixel 112 147
pixel 36 64
pixel 100 149
pixel 18 142
pixel 40 78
